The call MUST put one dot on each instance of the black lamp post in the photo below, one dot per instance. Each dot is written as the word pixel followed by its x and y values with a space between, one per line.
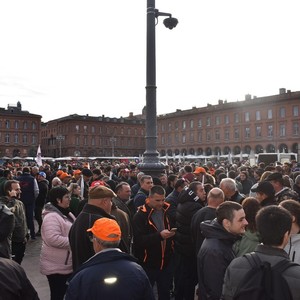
pixel 151 164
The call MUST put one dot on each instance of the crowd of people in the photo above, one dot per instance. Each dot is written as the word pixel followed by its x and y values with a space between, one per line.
pixel 109 231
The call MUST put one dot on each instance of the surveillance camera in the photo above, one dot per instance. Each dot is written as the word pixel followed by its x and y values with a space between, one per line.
pixel 170 22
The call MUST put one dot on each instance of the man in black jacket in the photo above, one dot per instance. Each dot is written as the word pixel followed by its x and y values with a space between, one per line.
pixel 216 251
pixel 98 206
pixel 152 237
pixel 273 224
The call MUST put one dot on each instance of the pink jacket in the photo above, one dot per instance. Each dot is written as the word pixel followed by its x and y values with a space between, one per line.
pixel 56 255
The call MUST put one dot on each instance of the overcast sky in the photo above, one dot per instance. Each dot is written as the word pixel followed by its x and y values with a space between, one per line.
pixel 88 56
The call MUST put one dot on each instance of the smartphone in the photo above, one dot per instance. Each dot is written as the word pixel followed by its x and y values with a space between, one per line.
pixel 173 229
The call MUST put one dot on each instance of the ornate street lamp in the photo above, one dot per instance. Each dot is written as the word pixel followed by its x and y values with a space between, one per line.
pixel 151 164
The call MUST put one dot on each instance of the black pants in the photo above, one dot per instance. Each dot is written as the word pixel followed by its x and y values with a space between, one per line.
pixel 185 277
pixel 162 278
pixel 18 251
pixel 58 287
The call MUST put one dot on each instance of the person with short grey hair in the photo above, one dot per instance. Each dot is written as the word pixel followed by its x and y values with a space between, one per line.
pixel 116 274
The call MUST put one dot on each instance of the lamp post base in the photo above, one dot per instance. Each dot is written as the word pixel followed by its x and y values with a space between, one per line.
pixel 151 165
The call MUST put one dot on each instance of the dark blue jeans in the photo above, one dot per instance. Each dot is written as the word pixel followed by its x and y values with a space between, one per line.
pixel 162 278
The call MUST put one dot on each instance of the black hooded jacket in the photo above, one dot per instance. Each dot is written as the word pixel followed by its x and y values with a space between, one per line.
pixel 188 205
pixel 213 258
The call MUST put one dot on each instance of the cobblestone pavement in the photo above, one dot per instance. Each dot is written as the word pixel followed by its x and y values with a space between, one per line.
pixel 31 265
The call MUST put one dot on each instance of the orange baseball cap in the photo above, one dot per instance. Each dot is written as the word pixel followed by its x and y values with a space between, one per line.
pixel 76 172
pixel 64 175
pixel 199 170
pixel 106 230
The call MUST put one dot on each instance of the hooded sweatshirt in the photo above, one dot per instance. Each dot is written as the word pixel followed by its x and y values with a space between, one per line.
pixel 293 248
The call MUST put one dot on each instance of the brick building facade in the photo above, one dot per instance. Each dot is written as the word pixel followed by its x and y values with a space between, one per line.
pixel 255 125
pixel 19 132
pixel 88 136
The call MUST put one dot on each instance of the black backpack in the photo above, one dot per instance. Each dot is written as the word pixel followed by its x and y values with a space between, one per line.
pixel 263 282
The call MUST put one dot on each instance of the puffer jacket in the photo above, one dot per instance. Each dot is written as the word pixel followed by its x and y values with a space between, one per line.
pixel 56 255
pixel 213 258
pixel 293 248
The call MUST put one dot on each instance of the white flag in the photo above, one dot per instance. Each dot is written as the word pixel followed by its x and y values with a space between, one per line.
pixel 38 158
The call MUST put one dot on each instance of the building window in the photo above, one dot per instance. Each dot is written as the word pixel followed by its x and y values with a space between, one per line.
pixel 169 126
pixel 85 140
pixel 257 115
pixel 77 141
pixel 247 132
pixel 16 124
pixel 183 138
pixel 226 134
pixel 77 128
pixel 236 133
pixel 296 128
pixel 258 131
pixel 162 139
pixel 85 129
pixel 33 126
pixel 282 112
pixel 236 118
pixel 199 123
pixel 93 129
pixel 176 125
pixel 217 135
pixel 183 125
pixel 295 111
pixel 208 121
pixel 25 125
pixel 93 141
pixel 270 114
pixel 226 119
pixel 217 120
pixel 135 131
pixel 7 124
pixel 247 116
pixel 270 130
pixel 162 127
pixel 281 130
pixel 192 137
pixel 169 139
pixel 25 139
pixel 7 140
pixel 176 138
pixel 199 136
pixel 16 139
pixel 34 140
pixel 191 124
pixel 208 136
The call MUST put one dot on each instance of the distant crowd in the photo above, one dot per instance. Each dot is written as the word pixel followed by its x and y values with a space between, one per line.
pixel 110 231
